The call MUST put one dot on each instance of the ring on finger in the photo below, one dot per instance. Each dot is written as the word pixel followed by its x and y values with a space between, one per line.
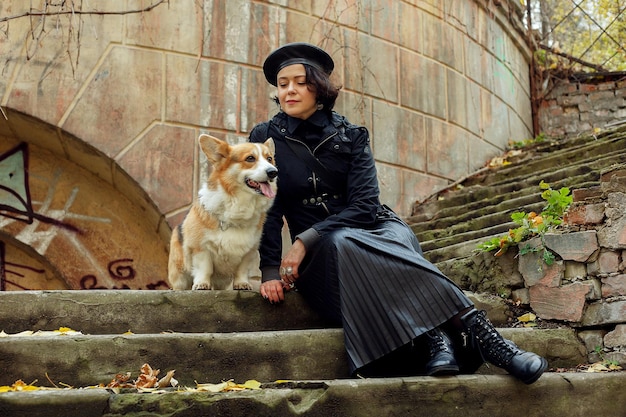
pixel 290 284
pixel 289 270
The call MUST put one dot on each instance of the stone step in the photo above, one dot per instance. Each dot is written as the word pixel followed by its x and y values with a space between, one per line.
pixel 453 223
pixel 158 311
pixel 87 360
pixel 553 395
pixel 483 197
pixel 547 157
pixel 204 335
pixel 514 195
pixel 575 165
pixel 155 311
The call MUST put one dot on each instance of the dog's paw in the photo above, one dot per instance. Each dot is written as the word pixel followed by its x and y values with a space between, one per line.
pixel 201 286
pixel 242 286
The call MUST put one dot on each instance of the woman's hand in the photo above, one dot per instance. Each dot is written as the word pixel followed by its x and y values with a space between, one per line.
pixel 289 266
pixel 273 291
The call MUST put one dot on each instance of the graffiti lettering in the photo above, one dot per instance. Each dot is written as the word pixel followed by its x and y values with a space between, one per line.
pixel 118 273
pixel 121 272
pixel 15 201
pixel 5 271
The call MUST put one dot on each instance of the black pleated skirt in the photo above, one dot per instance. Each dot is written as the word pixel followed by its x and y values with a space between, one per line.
pixel 378 286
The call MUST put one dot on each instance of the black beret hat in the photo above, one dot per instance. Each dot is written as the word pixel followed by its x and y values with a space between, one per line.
pixel 296 53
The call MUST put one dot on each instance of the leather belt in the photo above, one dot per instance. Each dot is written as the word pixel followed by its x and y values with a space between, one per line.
pixel 317 200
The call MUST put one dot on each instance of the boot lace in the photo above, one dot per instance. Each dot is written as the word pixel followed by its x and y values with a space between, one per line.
pixel 491 344
pixel 436 343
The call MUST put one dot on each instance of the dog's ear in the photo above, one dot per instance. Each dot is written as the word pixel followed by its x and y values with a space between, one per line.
pixel 215 149
pixel 270 144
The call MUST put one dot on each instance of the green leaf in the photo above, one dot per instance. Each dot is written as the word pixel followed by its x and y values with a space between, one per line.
pixel 548 257
pixel 531 224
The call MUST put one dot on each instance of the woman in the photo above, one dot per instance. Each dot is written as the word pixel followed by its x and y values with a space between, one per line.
pixel 353 259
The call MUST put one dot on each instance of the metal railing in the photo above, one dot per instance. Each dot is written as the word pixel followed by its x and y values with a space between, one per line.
pixel 580 35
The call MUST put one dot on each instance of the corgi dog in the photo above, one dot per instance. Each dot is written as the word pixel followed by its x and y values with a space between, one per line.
pixel 217 243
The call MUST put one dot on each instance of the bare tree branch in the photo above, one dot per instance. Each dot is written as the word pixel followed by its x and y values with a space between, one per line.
pixel 82 12
pixel 572 58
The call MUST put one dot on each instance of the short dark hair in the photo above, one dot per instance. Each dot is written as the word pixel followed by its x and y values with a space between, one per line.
pixel 326 91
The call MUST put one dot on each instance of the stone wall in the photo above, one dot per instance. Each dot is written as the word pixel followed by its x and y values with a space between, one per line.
pixel 586 287
pixel 581 105
pixel 103 111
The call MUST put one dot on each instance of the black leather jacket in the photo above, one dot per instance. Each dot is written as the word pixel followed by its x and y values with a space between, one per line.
pixel 313 203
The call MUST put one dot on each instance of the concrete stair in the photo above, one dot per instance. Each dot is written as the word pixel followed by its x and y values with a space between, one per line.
pixel 453 222
pixel 211 336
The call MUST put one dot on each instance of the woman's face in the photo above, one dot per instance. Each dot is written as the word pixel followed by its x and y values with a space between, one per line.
pixel 294 95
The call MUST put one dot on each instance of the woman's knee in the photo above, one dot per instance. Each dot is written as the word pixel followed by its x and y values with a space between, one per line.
pixel 337 236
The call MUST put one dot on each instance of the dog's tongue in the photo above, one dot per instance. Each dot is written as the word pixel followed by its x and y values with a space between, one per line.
pixel 267 190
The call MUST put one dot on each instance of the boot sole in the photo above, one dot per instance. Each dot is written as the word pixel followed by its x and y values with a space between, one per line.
pixel 444 371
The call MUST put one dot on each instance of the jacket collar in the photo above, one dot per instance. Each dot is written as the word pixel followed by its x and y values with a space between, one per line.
pixel 319 118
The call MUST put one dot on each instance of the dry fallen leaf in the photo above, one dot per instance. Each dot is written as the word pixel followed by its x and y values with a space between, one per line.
pixel 20 385
pixel 227 386
pixel 120 381
pixel 597 367
pixel 602 366
pixel 252 384
pixel 61 331
pixel 209 387
pixel 167 380
pixel 528 317
pixel 148 377
pixel 146 382
pixel 20 334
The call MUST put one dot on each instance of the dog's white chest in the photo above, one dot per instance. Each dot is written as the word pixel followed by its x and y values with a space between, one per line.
pixel 230 245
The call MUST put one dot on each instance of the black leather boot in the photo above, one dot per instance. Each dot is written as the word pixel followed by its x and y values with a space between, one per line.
pixel 525 366
pixel 442 360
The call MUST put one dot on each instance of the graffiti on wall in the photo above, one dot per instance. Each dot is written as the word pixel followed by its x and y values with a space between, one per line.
pixel 119 270
pixel 16 205
pixel 15 201
pixel 10 272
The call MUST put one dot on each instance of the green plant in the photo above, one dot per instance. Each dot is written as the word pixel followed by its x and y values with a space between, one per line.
pixel 612 364
pixel 533 224
pixel 599 351
pixel 527 142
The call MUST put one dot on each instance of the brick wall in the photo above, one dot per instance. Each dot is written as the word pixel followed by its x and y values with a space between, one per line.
pixel 573 107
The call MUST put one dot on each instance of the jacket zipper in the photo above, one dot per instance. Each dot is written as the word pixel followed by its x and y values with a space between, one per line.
pixel 317 147
pixel 323 204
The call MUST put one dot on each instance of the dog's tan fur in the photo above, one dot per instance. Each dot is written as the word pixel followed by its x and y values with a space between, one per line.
pixel 217 244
